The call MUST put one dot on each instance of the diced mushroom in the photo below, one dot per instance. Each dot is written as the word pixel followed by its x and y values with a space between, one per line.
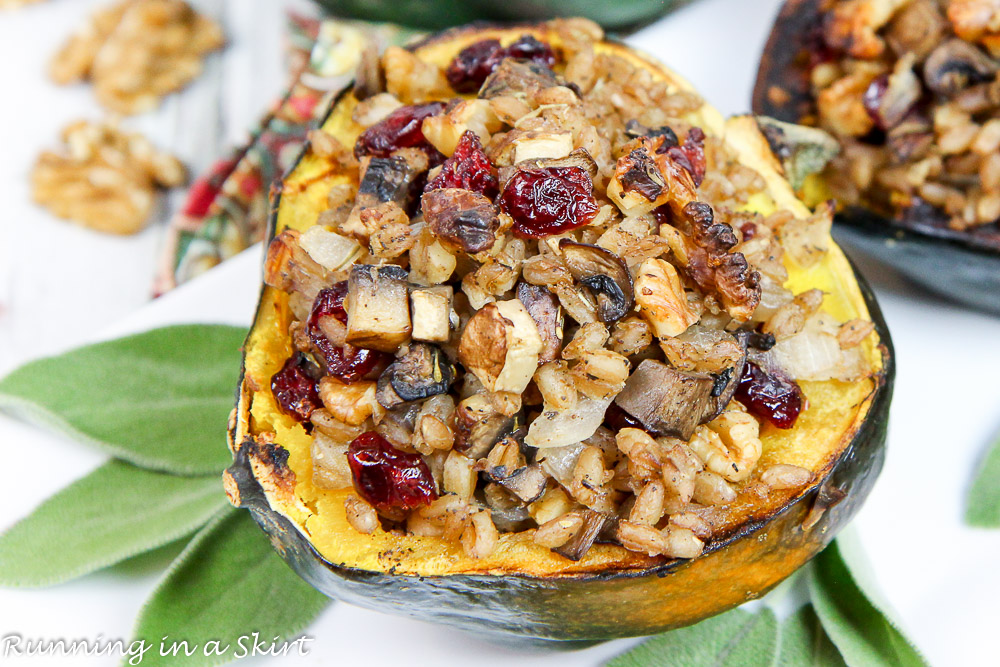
pixel 508 512
pixel 917 28
pixel 517 78
pixel 667 401
pixel 422 371
pixel 543 306
pixel 902 92
pixel 500 346
pixel 369 79
pixel 911 139
pixel 462 219
pixel 385 179
pixel 955 65
pixel 430 310
pixel 577 547
pixel 378 307
pixel 604 274
pixel 527 483
pixel 478 426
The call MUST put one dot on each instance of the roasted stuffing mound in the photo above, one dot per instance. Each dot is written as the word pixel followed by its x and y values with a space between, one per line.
pixel 910 89
pixel 544 306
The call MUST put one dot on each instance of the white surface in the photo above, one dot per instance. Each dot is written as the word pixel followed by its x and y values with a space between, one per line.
pixel 940 575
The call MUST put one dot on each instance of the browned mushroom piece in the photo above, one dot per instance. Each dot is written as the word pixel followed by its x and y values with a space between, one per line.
pixel 378 307
pixel 462 219
pixel 369 79
pixel 955 65
pixel 518 78
pixel 911 139
pixel 667 401
pixel 577 547
pixel 527 483
pixel 478 427
pixel 544 308
pixel 385 179
pixel 917 28
pixel 604 274
pixel 902 92
pixel 421 372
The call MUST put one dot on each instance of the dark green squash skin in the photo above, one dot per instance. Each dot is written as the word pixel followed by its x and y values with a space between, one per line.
pixel 962 266
pixel 597 606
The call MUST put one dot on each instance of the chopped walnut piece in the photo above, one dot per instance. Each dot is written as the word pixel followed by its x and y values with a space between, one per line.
pixel 137 51
pixel 713 265
pixel 412 80
pixel 852 26
pixel 106 179
pixel 661 298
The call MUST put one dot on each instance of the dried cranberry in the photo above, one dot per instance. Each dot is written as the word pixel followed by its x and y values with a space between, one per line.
pixel 872 99
pixel 394 482
pixel 663 215
pixel 549 201
pixel 294 387
pixel 400 129
pixel 348 363
pixel 617 419
pixel 748 230
pixel 691 154
pixel 774 398
pixel 473 64
pixel 529 48
pixel 468 168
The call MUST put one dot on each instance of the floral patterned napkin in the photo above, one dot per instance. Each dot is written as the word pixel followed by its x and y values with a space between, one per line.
pixel 226 208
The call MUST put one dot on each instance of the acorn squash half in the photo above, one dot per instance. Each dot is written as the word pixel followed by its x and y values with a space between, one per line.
pixel 523 589
pixel 960 265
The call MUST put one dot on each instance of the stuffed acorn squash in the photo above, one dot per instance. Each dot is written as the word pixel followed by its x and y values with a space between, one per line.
pixel 909 89
pixel 548 348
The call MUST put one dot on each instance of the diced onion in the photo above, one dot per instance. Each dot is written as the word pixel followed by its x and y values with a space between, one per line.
pixel 557 428
pixel 328 249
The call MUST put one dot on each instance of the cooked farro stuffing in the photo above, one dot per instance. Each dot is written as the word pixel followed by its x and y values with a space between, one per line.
pixel 540 303
pixel 909 88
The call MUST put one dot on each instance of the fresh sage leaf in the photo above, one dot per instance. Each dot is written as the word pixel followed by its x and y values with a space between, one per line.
pixel 228 584
pixel 115 512
pixel 983 502
pixel 158 399
pixel 854 616
pixel 736 638
pixel 804 642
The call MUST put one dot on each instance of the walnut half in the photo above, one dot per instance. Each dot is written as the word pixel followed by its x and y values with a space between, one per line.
pixel 105 179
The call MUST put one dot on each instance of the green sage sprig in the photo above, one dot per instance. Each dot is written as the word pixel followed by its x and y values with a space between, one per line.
pixel 158 402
